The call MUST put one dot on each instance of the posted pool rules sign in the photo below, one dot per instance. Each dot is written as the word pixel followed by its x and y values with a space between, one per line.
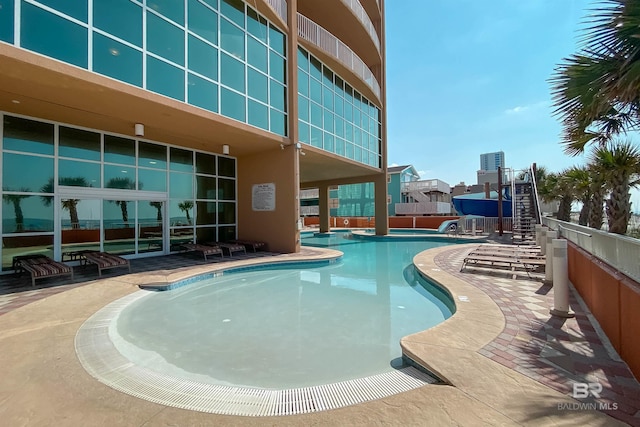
pixel 263 197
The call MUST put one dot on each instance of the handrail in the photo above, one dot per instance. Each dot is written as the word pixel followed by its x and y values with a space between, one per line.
pixel 536 199
pixel 575 231
pixel 314 33
pixel 280 7
pixel 364 19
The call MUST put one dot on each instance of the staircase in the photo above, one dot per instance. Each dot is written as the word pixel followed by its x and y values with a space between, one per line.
pixel 419 196
pixel 526 211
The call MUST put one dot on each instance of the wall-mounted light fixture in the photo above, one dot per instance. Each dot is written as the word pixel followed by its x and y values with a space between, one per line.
pixel 139 129
pixel 225 149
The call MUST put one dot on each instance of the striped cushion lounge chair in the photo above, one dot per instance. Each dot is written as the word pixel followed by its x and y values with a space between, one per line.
pixel 231 247
pixel 205 250
pixel 44 267
pixel 254 245
pixel 105 261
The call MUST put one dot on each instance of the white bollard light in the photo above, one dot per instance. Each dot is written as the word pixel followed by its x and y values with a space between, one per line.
pixel 548 267
pixel 473 227
pixel 543 240
pixel 560 279
pixel 538 232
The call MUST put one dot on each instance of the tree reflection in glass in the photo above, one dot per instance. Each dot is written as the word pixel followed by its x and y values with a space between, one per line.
pixel 16 201
pixel 67 204
pixel 123 184
pixel 158 206
pixel 186 206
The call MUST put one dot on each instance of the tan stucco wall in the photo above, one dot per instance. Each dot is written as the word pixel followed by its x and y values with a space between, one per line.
pixel 278 228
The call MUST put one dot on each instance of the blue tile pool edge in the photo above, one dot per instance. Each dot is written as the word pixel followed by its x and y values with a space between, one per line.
pixel 272 265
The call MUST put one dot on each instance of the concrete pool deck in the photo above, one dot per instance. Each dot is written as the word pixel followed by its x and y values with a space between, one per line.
pixel 43 382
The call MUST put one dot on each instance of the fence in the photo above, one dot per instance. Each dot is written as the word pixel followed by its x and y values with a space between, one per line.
pixel 483 225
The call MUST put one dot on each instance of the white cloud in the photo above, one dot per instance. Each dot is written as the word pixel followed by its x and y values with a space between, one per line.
pixel 424 174
pixel 520 109
pixel 393 165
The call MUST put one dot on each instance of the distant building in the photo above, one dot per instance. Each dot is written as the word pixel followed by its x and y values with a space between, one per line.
pixel 492 161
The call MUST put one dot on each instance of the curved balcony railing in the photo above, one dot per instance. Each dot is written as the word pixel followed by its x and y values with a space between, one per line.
pixel 314 33
pixel 280 7
pixel 364 19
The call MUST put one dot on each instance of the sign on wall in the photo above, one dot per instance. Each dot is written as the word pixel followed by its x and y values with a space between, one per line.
pixel 263 197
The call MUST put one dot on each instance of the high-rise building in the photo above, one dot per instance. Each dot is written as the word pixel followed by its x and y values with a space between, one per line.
pixel 131 126
pixel 491 161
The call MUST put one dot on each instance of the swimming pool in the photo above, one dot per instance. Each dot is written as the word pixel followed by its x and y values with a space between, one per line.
pixel 287 327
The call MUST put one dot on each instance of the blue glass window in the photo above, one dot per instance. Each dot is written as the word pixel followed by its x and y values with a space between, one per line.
pixel 256 25
pixel 39 178
pixel 119 150
pixel 316 114
pixel 203 58
pixel 278 95
pixel 276 40
pixel 119 174
pixel 165 79
pixel 316 137
pixel 165 39
pixel 232 72
pixel 303 60
pixel 53 36
pixel 203 93
pixel 205 163
pixel 316 68
pixel 258 115
pixel 303 108
pixel 206 186
pixel 327 98
pixel 234 10
pixel 316 91
pixel 152 180
pixel 256 54
pixel 203 21
pixel 36 215
pixel 27 135
pixel 79 144
pixel 303 83
pixel 328 142
pixel 121 18
pixel 181 185
pixel 180 160
pixel 78 174
pixel 77 9
pixel 303 132
pixel 6 20
pixel 232 39
pixel 233 105
pixel 278 122
pixel 172 9
pixel 258 85
pixel 277 67
pixel 117 60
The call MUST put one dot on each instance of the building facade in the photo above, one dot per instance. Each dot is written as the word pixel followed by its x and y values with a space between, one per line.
pixel 133 126
pixel 492 161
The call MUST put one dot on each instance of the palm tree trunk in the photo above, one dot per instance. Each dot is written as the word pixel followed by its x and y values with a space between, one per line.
pixel 618 206
pixel 73 214
pixel 125 213
pixel 596 214
pixel 584 212
pixel 564 209
pixel 17 209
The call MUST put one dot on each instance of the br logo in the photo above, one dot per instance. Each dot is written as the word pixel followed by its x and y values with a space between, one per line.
pixel 582 390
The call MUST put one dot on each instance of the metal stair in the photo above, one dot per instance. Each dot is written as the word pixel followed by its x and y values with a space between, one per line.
pixel 419 196
pixel 525 208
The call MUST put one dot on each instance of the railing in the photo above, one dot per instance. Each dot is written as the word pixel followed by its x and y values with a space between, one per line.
pixel 312 193
pixel 314 33
pixel 309 210
pixel 426 185
pixel 280 7
pixel 422 208
pixel 364 19
pixel 620 252
pixel 483 225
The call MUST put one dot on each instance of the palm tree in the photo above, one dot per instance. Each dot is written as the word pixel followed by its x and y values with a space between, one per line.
pixel 598 190
pixel 122 184
pixel 597 91
pixel 579 179
pixel 67 204
pixel 619 164
pixel 186 206
pixel 16 200
pixel 556 187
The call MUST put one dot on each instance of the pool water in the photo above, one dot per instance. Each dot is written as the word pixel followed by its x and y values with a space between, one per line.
pixel 289 327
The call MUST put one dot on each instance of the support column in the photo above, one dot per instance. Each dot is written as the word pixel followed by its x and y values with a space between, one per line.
pixel 323 202
pixel 382 214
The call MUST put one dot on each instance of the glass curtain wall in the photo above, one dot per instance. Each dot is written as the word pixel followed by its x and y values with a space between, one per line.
pixel 197 189
pixel 334 116
pixel 221 56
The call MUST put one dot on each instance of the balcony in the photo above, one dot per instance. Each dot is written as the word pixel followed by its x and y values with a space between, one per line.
pixel 309 210
pixel 312 193
pixel 330 44
pixel 364 19
pixel 426 186
pixel 423 208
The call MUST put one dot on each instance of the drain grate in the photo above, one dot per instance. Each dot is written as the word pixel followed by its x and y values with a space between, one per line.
pixel 103 361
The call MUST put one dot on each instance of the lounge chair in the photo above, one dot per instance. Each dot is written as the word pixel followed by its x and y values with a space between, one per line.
pixel 205 250
pixel 254 245
pixel 42 267
pixel 495 260
pixel 105 261
pixel 230 247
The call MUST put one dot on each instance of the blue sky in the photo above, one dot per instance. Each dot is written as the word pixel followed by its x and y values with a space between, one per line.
pixel 466 77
